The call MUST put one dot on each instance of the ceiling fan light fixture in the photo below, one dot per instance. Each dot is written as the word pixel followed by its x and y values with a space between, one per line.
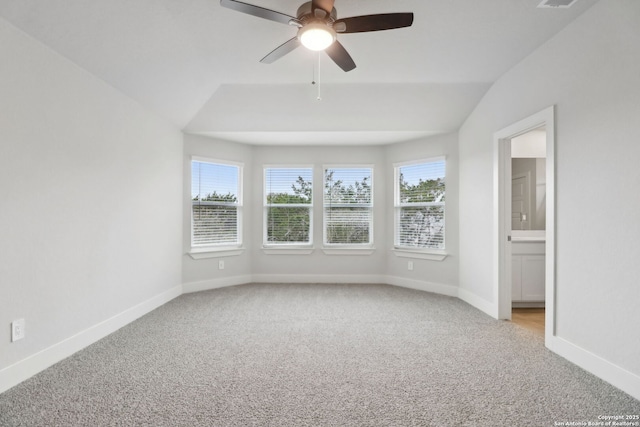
pixel 316 36
pixel 317 22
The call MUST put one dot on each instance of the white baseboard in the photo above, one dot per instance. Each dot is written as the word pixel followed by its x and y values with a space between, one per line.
pixel 318 278
pixel 321 278
pixel 14 374
pixel 596 365
pixel 437 288
pixel 421 285
pixel 480 303
pixel 26 368
pixel 206 285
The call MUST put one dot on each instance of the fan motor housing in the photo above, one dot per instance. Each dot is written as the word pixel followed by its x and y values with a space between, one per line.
pixel 305 14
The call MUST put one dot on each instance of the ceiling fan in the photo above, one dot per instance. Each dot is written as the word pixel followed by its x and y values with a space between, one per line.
pixel 318 25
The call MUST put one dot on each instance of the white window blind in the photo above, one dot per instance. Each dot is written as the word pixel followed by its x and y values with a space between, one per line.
pixel 216 203
pixel 420 205
pixel 288 205
pixel 348 206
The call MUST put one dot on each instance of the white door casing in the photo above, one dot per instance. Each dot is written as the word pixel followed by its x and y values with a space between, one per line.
pixel 502 251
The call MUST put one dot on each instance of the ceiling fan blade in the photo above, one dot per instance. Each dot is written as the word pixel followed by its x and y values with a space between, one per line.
pixel 340 56
pixel 281 51
pixel 258 11
pixel 365 23
pixel 326 5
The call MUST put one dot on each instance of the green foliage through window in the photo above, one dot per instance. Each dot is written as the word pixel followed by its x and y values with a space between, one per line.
pixel 215 203
pixel 420 205
pixel 348 206
pixel 288 204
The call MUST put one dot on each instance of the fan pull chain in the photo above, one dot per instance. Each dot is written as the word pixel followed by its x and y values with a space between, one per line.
pixel 319 84
pixel 313 77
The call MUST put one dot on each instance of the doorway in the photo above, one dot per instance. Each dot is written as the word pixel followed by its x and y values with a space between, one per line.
pixel 525 219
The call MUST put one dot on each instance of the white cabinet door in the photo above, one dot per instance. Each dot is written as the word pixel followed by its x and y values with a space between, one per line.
pixel 527 267
pixel 532 277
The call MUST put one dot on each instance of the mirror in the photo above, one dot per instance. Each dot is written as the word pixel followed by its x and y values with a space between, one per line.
pixel 528 180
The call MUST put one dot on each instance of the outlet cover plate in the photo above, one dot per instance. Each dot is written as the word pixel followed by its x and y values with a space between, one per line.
pixel 17 330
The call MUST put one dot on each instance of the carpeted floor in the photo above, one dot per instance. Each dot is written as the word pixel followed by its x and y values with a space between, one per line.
pixel 314 355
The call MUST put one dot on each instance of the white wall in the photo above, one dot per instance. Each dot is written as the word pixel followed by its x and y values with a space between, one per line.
pixel 380 266
pixel 531 144
pixel 590 71
pixel 440 275
pixel 256 265
pixel 204 273
pixel 319 266
pixel 90 187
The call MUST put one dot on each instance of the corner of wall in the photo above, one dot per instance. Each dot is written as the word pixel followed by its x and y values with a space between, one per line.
pixel 26 368
pixel 619 377
pixel 481 304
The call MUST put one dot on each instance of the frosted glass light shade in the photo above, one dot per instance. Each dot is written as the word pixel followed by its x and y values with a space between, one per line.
pixel 316 36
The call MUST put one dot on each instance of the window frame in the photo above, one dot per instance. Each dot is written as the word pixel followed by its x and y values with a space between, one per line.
pixel 349 248
pixel 214 249
pixel 279 247
pixel 436 254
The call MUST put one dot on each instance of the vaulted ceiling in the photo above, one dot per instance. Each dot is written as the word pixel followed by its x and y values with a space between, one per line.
pixel 197 63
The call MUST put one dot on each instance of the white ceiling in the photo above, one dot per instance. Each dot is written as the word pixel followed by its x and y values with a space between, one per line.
pixel 197 63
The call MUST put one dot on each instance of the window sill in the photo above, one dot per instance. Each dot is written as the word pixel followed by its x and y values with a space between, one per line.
pixel 204 253
pixel 348 251
pixel 431 255
pixel 272 250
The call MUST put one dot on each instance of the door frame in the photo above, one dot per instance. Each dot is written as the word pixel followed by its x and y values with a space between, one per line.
pixel 502 215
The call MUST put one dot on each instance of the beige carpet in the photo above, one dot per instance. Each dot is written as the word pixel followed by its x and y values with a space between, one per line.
pixel 314 355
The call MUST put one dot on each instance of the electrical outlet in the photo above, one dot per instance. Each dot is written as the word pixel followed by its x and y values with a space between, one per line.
pixel 410 266
pixel 17 330
pixel 221 264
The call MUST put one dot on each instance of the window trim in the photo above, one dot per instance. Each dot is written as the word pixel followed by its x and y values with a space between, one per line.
pixel 287 250
pixel 432 254
pixel 349 248
pixel 294 248
pixel 428 254
pixel 205 253
pixel 215 250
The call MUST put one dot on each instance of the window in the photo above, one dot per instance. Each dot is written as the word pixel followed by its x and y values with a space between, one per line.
pixel 419 204
pixel 288 205
pixel 216 204
pixel 348 206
